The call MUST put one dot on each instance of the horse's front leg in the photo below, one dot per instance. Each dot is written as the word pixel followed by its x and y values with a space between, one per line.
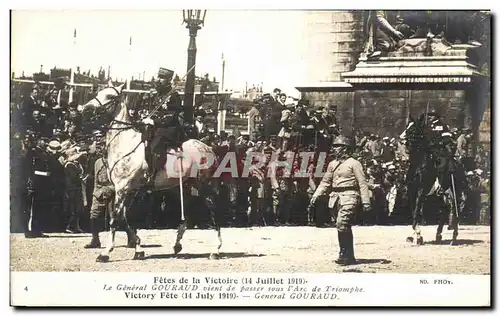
pixel 453 216
pixel 133 239
pixel 417 219
pixel 215 217
pixel 113 226
pixel 182 226
pixel 180 233
pixel 443 215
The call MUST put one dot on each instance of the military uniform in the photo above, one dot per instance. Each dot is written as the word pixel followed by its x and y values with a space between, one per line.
pixel 167 133
pixel 37 172
pixel 347 180
pixel 102 198
pixel 281 192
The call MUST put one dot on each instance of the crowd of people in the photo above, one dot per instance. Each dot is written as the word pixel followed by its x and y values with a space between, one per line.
pixel 57 181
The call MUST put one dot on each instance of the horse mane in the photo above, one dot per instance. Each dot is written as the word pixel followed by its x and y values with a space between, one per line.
pixel 418 145
pixel 122 114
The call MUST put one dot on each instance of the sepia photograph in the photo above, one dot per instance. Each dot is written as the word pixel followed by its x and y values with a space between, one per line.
pixel 346 142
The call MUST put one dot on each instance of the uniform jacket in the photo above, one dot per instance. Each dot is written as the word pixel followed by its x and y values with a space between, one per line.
pixel 103 188
pixel 348 173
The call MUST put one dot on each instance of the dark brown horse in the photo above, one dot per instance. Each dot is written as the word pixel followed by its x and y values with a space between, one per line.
pixel 431 172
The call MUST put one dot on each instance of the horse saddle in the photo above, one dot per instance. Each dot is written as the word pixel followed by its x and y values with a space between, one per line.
pixel 159 158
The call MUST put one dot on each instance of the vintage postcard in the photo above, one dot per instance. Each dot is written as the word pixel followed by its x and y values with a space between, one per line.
pixel 206 157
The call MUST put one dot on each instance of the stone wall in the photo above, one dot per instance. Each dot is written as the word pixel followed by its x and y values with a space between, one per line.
pixel 386 111
pixel 334 40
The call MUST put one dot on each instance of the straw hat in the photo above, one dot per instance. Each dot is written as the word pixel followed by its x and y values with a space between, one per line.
pixel 54 147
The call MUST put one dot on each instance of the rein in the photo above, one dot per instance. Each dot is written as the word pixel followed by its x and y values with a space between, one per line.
pixel 127 126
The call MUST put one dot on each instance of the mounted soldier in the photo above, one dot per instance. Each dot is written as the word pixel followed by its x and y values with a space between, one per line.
pixel 167 130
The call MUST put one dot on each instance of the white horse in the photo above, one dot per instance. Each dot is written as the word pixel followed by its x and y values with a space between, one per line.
pixel 126 166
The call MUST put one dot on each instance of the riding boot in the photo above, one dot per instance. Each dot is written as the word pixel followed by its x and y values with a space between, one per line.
pixel 342 248
pixel 94 228
pixel 349 242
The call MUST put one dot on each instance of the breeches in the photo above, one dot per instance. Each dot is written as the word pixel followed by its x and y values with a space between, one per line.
pixel 98 208
pixel 346 218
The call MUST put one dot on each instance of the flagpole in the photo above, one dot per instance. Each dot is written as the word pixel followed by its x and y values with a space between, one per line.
pixel 130 72
pixel 72 70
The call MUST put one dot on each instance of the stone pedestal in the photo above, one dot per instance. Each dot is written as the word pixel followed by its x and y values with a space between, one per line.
pixel 422 74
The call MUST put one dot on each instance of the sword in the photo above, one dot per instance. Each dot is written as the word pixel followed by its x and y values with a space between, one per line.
pixel 181 192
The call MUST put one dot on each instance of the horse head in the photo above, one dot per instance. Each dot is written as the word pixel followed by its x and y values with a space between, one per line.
pixel 414 133
pixel 106 102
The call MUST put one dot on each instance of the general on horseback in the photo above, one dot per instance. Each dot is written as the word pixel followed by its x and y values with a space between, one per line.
pixel 131 149
pixel 164 130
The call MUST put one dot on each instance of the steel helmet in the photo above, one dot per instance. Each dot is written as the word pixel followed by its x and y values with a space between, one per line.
pixel 342 141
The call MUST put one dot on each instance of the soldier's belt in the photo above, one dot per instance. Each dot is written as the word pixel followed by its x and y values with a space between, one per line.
pixel 42 173
pixel 342 189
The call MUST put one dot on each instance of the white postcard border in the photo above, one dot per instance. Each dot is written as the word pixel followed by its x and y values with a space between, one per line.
pixel 247 289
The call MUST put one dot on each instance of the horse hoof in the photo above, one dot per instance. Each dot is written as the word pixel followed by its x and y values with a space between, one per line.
pixel 139 255
pixel 102 258
pixel 453 243
pixel 214 256
pixel 439 238
pixel 409 239
pixel 177 248
pixel 420 241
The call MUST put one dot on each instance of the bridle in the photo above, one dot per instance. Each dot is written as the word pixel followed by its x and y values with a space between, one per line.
pixel 112 101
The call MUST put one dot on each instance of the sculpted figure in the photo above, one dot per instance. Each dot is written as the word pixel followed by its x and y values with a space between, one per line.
pixel 383 37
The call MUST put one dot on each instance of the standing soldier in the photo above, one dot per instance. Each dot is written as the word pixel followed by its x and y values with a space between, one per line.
pixel 346 179
pixel 101 199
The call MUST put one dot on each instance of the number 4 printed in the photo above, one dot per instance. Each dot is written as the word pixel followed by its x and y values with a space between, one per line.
pixel 26 289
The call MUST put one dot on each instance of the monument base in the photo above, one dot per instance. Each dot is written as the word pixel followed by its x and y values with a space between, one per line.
pixel 379 95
